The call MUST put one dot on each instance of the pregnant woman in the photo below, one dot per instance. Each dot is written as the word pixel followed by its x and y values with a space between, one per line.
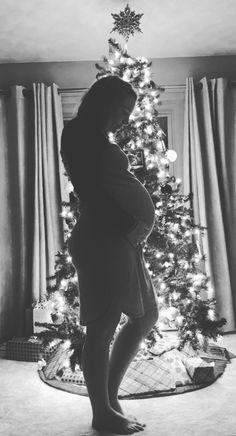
pixel 116 217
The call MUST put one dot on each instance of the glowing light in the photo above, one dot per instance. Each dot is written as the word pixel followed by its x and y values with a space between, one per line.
pixel 171 155
pixel 149 130
pixel 64 213
pixel 111 136
pixel 164 161
pixel 175 295
pixel 163 286
pixel 130 61
pixel 192 291
pixel 211 314
pixel 179 319
pixel 210 291
pixel 69 187
pixel 188 233
pixel 200 337
pixel 161 299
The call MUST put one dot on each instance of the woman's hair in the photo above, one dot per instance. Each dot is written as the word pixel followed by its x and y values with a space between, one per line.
pixel 81 145
pixel 101 95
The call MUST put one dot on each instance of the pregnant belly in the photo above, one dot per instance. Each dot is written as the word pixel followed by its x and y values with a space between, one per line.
pixel 140 203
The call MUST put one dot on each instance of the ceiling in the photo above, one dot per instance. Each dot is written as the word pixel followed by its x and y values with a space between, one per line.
pixel 75 30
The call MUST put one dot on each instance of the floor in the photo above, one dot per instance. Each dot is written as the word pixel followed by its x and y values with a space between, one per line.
pixel 30 407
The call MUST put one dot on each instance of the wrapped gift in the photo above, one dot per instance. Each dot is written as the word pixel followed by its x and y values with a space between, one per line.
pixel 177 368
pixel 27 349
pixel 75 377
pixel 199 370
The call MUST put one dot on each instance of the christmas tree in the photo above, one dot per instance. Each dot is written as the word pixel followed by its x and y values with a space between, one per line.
pixel 172 251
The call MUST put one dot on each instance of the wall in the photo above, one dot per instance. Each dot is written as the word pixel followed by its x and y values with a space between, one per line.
pixel 166 71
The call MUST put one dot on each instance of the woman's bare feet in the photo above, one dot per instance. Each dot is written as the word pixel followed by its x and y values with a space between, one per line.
pixel 115 422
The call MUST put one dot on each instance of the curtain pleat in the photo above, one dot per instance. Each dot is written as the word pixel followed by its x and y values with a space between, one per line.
pixel 48 229
pixel 206 149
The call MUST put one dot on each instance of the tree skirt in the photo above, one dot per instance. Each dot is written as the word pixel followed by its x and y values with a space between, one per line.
pixel 168 373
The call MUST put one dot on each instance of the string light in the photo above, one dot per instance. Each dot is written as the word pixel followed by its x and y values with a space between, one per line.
pixel 211 314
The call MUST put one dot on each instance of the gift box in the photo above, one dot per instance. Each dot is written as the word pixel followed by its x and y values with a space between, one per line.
pixel 177 368
pixel 27 349
pixel 199 370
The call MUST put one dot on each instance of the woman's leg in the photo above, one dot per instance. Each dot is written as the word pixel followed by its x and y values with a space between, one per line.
pixel 95 363
pixel 125 347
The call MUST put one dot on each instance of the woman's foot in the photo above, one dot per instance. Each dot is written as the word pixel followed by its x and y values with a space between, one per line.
pixel 115 422
pixel 115 404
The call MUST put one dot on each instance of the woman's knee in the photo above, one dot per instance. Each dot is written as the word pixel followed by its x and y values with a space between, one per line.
pixel 102 331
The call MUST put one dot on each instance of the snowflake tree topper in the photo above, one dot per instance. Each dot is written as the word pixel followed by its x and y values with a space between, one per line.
pixel 126 22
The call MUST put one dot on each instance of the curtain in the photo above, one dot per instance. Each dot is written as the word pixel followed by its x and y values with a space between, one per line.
pixel 209 159
pixel 14 140
pixel 32 187
pixel 48 186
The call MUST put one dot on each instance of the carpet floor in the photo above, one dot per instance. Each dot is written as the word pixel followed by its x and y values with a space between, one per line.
pixel 29 407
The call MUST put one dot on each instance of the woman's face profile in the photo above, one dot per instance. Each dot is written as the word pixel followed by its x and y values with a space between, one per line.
pixel 119 113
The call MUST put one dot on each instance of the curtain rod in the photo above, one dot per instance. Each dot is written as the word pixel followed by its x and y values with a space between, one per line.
pixel 7 92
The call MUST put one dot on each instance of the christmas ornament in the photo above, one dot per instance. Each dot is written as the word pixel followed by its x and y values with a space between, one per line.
pixel 171 313
pixel 126 22
pixel 171 155
pixel 166 189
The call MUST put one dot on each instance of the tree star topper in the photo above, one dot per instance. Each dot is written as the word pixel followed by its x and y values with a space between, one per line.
pixel 126 22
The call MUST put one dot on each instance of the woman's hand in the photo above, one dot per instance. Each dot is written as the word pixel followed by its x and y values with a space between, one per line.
pixel 139 233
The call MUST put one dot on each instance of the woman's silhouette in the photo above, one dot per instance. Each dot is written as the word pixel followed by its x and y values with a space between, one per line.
pixel 106 245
